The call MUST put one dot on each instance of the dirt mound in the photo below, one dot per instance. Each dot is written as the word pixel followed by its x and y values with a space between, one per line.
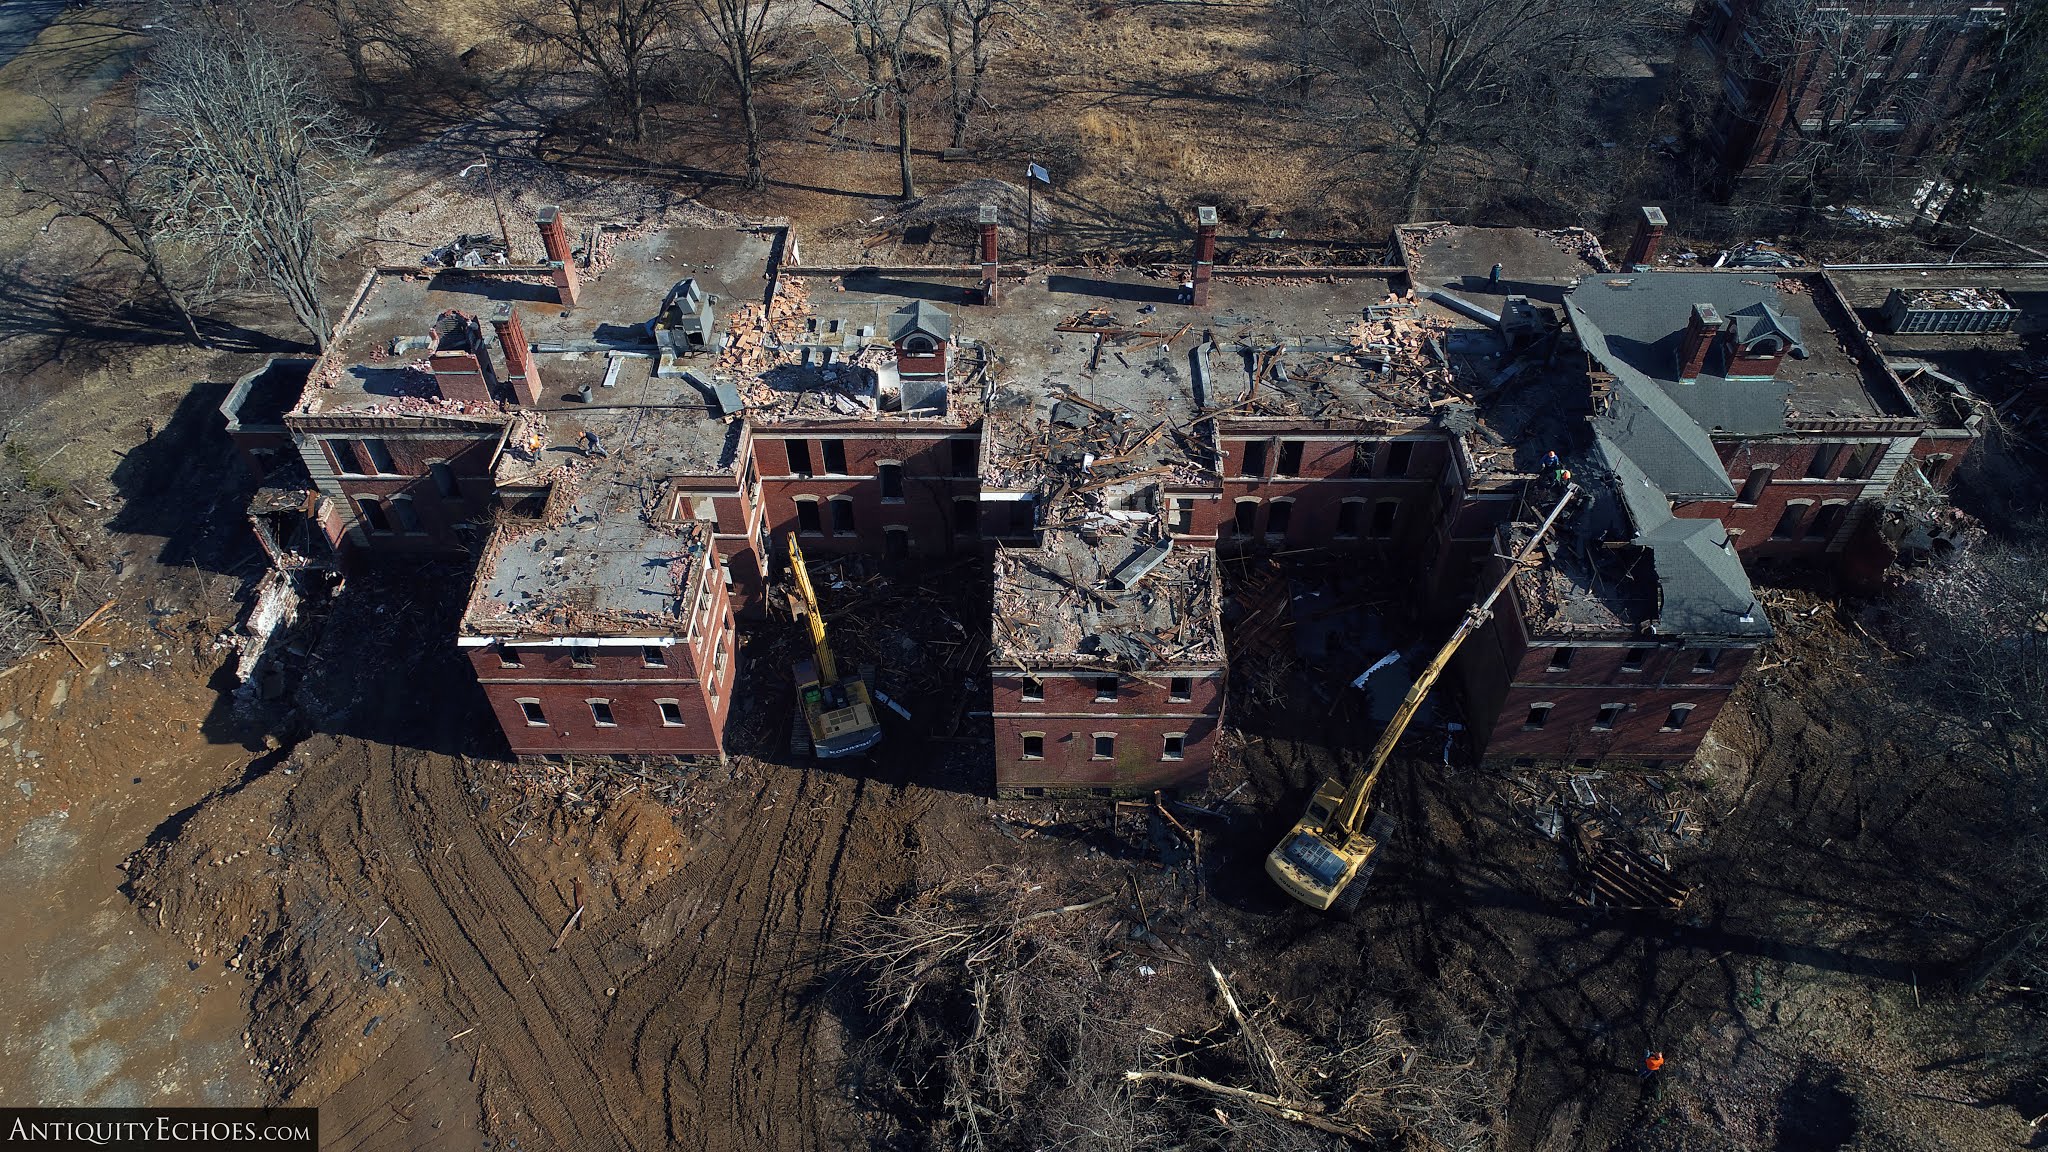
pixel 250 881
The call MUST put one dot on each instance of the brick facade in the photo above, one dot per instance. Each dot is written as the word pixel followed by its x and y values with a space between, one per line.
pixel 1051 745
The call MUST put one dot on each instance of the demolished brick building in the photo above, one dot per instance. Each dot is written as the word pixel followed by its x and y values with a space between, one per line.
pixel 638 421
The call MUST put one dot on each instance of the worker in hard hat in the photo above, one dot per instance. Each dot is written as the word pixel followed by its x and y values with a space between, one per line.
pixel 1653 1063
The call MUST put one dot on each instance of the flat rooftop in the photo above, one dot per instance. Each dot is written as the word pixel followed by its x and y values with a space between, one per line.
pixel 376 364
pixel 1106 597
pixel 601 564
pixel 1974 358
pixel 1641 320
pixel 661 426
pixel 1539 263
pixel 1581 586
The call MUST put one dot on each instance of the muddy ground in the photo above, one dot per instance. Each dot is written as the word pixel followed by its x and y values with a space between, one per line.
pixel 388 896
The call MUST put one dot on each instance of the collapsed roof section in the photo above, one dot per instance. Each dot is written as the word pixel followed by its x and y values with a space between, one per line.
pixel 1117 596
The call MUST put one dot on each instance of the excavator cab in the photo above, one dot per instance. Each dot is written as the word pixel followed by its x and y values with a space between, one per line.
pixel 1322 870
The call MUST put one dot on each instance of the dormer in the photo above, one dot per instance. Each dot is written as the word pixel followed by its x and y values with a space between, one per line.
pixel 922 334
pixel 1759 336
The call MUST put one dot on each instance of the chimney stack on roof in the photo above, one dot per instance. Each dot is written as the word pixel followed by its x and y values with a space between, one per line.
pixel 1700 330
pixel 991 266
pixel 460 362
pixel 554 236
pixel 1205 256
pixel 524 374
pixel 1649 233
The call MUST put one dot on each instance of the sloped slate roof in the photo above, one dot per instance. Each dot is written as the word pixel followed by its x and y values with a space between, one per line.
pixel 1761 319
pixel 920 316
pixel 1649 427
pixel 1700 581
pixel 1634 324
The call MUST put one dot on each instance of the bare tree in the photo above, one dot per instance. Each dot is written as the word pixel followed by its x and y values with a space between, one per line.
pixel 366 29
pixel 1425 77
pixel 742 35
pixel 1851 100
pixel 884 38
pixel 1977 628
pixel 968 28
pixel 620 41
pixel 99 173
pixel 250 152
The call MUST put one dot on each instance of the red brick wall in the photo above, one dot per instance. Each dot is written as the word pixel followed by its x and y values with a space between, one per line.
pixel 1069 718
pixel 1069 763
pixel 468 459
pixel 1324 481
pixel 698 676
pixel 926 508
pixel 1788 462
pixel 1506 672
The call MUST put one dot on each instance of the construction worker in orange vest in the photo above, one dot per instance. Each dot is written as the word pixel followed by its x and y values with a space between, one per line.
pixel 1653 1062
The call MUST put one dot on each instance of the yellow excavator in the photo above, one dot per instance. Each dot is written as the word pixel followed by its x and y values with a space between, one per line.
pixel 1326 859
pixel 837 715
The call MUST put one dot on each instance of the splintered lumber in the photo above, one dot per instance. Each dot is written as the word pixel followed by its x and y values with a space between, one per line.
pixel 1251 1035
pixel 1299 1111
pixel 1624 878
pixel 564 933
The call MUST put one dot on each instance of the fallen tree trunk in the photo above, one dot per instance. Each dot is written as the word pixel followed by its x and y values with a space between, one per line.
pixel 1298 1111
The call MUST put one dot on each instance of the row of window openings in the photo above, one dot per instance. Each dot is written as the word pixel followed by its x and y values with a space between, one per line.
pixel 1350 514
pixel 1180 690
pixel 1609 715
pixel 584 656
pixel 1173 747
pixel 832 454
pixel 966 516
pixel 1400 454
pixel 1704 660
pixel 1862 459
pixel 601 713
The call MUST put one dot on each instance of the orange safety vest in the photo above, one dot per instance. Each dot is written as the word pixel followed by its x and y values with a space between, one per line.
pixel 1654 1061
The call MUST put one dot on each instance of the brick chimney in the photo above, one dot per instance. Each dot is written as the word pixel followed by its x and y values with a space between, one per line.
pixel 460 362
pixel 1649 233
pixel 554 236
pixel 1205 256
pixel 1700 329
pixel 522 373
pixel 991 266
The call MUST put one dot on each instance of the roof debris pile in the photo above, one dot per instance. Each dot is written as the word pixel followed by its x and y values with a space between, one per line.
pixel 796 362
pixel 1121 598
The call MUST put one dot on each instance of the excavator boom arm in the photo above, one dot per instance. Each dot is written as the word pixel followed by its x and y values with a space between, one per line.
pixel 1345 819
pixel 828 670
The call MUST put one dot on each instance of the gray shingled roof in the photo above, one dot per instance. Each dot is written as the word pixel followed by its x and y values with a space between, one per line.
pixel 1648 426
pixel 1700 582
pixel 1763 320
pixel 921 316
pixel 1634 324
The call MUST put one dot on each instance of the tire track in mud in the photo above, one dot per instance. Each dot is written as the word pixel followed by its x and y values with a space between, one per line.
pixel 487 942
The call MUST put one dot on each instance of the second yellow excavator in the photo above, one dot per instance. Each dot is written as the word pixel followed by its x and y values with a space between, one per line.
pixel 837 713
pixel 1327 857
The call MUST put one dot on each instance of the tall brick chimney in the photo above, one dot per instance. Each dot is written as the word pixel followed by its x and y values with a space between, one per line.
pixel 1700 329
pixel 554 235
pixel 1205 255
pixel 522 373
pixel 460 362
pixel 1649 232
pixel 991 266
